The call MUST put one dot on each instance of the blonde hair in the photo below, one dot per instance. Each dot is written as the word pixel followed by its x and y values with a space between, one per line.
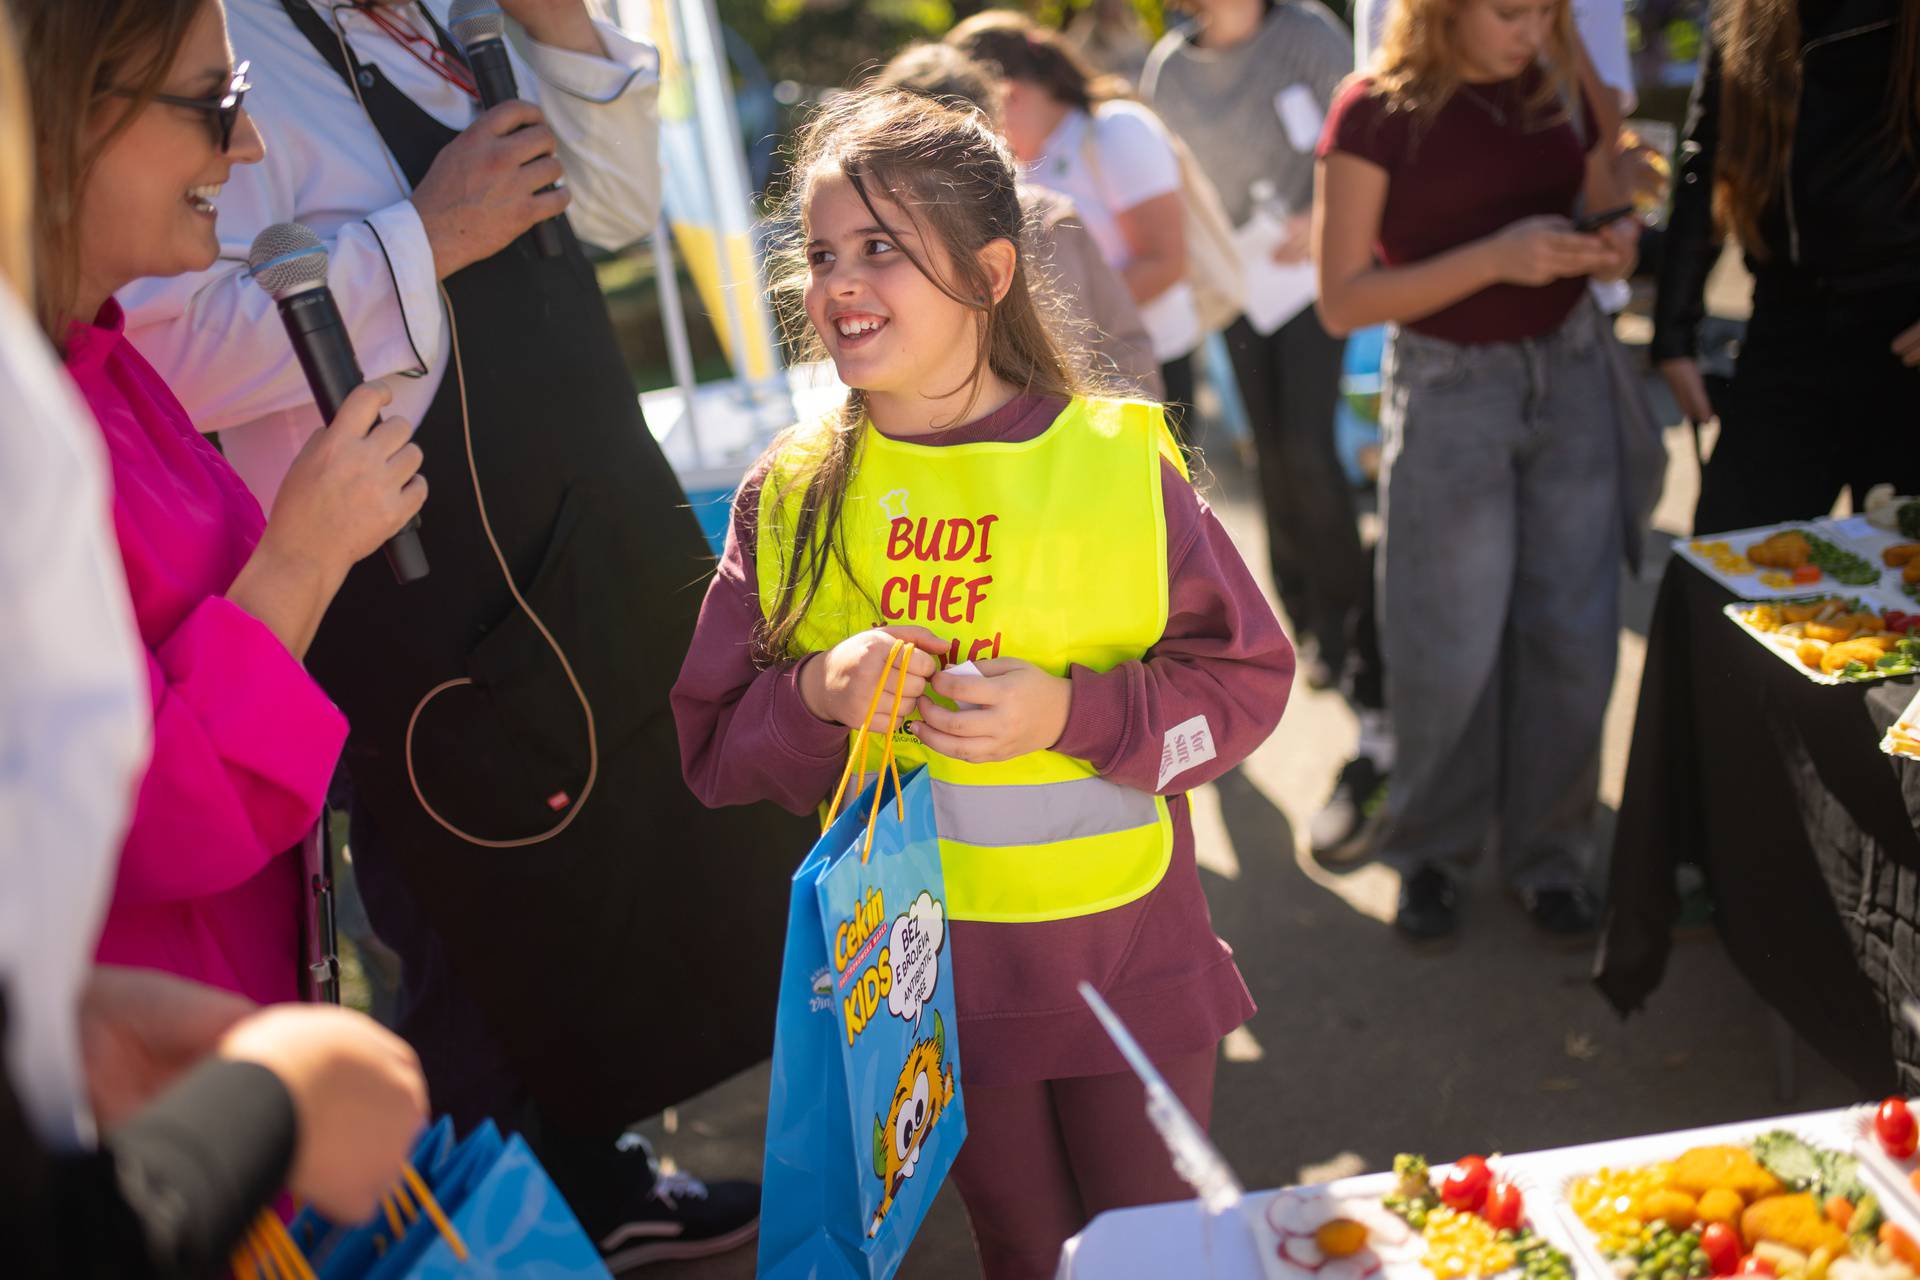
pixel 955 180
pixel 1417 67
pixel 16 169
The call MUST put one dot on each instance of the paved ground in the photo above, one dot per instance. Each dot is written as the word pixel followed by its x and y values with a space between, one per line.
pixel 1363 1047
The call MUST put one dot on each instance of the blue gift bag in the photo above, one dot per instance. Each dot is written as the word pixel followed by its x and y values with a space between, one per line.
pixel 501 1203
pixel 865 1116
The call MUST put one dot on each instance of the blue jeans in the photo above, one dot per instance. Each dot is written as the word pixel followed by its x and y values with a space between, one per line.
pixel 1499 582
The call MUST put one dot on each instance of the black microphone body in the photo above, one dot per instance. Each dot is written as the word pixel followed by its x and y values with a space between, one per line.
pixel 325 351
pixel 493 76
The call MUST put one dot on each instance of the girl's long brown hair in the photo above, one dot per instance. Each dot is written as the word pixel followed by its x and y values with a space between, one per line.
pixel 1021 49
pixel 1417 67
pixel 1759 42
pixel 16 170
pixel 954 180
pixel 85 58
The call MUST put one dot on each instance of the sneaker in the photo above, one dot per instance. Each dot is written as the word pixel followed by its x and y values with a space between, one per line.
pixel 1428 906
pixel 683 1217
pixel 1567 914
pixel 1343 830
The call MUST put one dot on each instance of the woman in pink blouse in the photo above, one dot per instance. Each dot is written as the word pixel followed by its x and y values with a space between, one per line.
pixel 138 123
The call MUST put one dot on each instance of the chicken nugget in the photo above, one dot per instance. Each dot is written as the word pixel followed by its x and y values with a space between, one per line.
pixel 1792 1220
pixel 1899 553
pixel 1911 573
pixel 1803 612
pixel 1839 655
pixel 1810 652
pixel 1703 1168
pixel 1722 1204
pixel 1833 630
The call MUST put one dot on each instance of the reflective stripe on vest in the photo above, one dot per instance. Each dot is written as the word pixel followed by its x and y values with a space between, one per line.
pixel 1052 550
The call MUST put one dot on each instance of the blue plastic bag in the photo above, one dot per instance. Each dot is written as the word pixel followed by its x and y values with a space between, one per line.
pixel 866 1115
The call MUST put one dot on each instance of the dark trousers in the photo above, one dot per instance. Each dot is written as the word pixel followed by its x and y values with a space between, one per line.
pixel 1290 382
pixel 1818 401
pixel 468 1076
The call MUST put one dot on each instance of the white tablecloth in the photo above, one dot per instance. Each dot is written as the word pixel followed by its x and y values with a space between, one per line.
pixel 1181 1241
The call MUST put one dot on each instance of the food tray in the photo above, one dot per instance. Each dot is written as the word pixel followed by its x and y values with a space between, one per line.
pixel 1889 1174
pixel 1298 1211
pixel 1748 585
pixel 1782 647
pixel 1903 737
pixel 1832 1132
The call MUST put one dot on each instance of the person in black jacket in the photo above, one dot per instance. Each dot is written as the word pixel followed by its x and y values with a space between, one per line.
pixel 1803 141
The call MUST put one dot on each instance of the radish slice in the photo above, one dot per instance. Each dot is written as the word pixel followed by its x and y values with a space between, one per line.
pixel 1294 1215
pixel 1356 1267
pixel 1302 1252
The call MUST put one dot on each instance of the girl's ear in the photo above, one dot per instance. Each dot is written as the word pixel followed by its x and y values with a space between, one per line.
pixel 999 259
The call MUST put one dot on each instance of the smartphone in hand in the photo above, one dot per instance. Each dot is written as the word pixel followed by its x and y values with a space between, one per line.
pixel 1594 221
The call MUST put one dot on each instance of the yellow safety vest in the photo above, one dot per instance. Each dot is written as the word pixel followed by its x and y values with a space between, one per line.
pixel 1053 550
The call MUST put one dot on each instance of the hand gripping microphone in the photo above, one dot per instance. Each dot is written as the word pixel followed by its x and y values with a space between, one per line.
pixel 290 263
pixel 481 29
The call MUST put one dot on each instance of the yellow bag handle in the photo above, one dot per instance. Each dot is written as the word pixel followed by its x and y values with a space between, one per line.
pixel 902 650
pixel 269 1253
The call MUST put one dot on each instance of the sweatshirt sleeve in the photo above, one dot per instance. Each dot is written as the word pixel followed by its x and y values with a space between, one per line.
pixel 244 746
pixel 1213 688
pixel 745 734
pixel 169 1194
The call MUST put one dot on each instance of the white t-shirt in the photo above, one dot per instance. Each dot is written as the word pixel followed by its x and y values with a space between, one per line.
pixel 1108 163
pixel 75 715
pixel 1602 24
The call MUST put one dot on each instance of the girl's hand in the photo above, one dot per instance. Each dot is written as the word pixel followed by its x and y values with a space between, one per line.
pixel 1540 250
pixel 1907 346
pixel 354 485
pixel 1622 238
pixel 1689 389
pixel 1018 709
pixel 837 686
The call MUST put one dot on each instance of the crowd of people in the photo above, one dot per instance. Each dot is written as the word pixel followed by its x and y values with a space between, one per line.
pixel 577 737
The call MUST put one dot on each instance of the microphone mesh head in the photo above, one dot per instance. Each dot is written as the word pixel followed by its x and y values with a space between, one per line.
pixel 475 21
pixel 286 258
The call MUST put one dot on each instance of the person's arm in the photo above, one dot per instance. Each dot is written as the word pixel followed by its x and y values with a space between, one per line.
pixel 1692 246
pixel 168 1195
pixel 600 91
pixel 1156 246
pixel 745 731
pixel 1223 669
pixel 1350 196
pixel 1138 177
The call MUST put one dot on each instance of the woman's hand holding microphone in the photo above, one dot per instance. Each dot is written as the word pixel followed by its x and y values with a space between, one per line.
pixel 355 484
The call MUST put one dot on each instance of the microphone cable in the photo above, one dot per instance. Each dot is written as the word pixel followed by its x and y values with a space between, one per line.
pixel 486 524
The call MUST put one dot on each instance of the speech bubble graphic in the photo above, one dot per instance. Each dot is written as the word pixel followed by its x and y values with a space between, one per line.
pixel 915 947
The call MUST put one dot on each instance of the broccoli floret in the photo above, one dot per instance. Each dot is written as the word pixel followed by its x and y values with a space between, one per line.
pixel 1909 517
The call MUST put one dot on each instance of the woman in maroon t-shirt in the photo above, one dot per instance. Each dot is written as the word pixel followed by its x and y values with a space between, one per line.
pixel 1447 180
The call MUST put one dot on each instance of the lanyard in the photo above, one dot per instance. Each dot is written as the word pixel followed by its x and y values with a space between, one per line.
pixel 425 49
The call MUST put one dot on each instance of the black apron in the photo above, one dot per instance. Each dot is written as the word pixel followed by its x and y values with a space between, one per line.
pixel 633 961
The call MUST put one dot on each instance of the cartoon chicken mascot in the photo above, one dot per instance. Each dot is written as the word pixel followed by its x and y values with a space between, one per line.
pixel 924 1092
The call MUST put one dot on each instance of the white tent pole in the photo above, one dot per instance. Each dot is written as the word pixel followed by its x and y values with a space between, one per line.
pixel 673 320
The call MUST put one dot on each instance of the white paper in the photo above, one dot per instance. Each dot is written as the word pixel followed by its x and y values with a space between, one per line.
pixel 1187 745
pixel 1300 116
pixel 1276 292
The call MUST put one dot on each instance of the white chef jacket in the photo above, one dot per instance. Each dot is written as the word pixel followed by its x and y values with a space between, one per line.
pixel 1602 25
pixel 216 337
pixel 75 721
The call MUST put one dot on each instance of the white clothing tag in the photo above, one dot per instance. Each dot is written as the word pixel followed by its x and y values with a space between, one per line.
pixel 1300 116
pixel 1186 746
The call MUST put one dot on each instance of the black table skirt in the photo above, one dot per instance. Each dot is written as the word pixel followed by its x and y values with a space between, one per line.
pixel 1777 787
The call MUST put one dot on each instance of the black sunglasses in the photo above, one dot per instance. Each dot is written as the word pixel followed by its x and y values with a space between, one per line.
pixel 224 107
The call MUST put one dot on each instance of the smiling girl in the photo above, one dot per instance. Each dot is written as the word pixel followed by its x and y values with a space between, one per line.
pixel 968 498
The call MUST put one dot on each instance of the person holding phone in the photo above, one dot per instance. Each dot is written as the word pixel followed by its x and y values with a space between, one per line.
pixel 1449 179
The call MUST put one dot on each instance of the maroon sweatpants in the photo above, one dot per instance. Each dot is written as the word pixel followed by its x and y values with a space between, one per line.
pixel 1042 1159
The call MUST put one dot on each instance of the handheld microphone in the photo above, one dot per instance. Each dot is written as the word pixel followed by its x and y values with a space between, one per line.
pixel 481 29
pixel 290 263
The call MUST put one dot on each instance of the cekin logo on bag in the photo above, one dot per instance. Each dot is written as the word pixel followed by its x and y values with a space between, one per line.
pixel 897 965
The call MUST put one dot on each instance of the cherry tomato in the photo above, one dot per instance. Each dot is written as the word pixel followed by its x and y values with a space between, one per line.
pixel 1754 1265
pixel 1503 1207
pixel 1465 1185
pixel 1807 573
pixel 1721 1244
pixel 1893 1125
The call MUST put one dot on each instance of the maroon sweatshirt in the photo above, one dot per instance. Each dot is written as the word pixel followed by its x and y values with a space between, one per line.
pixel 745 735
